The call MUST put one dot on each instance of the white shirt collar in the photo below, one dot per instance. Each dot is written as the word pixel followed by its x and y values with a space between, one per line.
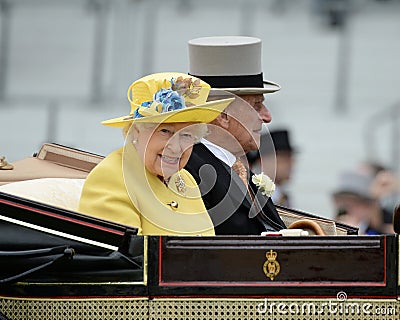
pixel 221 153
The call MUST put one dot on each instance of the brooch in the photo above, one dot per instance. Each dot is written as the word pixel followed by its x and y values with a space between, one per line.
pixel 180 184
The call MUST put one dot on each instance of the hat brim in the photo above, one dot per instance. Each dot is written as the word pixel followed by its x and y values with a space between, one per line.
pixel 352 194
pixel 269 87
pixel 204 113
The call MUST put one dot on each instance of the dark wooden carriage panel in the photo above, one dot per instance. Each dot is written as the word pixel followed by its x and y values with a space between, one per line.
pixel 361 265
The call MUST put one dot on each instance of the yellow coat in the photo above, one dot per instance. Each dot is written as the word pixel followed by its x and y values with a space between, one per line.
pixel 119 189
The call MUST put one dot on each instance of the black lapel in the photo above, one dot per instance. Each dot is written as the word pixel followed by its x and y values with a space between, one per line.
pixel 228 178
pixel 231 191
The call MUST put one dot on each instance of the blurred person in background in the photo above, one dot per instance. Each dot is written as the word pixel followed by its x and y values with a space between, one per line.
pixel 385 187
pixel 275 146
pixel 355 204
pixel 219 165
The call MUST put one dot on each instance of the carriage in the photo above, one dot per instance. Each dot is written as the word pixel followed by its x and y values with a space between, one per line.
pixel 59 264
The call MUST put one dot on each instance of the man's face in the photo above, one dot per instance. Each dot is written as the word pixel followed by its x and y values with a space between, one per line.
pixel 257 102
pixel 245 125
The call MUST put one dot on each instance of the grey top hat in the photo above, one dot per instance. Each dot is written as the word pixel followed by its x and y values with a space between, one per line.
pixel 232 63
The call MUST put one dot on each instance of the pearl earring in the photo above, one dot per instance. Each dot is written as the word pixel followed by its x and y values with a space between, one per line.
pixel 134 141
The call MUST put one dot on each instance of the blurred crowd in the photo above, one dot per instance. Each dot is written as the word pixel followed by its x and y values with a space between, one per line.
pixel 364 197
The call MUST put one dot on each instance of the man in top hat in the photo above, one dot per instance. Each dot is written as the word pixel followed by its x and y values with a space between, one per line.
pixel 218 163
pixel 275 157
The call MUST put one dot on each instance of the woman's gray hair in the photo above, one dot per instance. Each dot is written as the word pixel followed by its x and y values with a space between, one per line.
pixel 139 126
pixel 199 130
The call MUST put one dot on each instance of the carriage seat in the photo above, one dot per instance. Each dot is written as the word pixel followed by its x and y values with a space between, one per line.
pixel 54 175
pixel 59 192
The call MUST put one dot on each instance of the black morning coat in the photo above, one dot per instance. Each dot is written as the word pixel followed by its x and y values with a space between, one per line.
pixel 227 200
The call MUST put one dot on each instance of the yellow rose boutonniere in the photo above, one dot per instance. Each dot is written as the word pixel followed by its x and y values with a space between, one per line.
pixel 264 183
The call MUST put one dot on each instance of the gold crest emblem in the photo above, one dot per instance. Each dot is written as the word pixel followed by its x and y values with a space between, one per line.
pixel 271 267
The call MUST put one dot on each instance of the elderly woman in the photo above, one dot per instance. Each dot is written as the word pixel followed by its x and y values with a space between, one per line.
pixel 144 184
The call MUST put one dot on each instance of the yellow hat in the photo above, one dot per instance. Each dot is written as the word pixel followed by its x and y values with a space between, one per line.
pixel 170 97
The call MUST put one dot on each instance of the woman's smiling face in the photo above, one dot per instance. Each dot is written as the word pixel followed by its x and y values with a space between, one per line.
pixel 166 148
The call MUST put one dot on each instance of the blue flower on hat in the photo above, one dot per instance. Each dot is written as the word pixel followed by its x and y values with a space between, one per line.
pixel 164 100
pixel 170 100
